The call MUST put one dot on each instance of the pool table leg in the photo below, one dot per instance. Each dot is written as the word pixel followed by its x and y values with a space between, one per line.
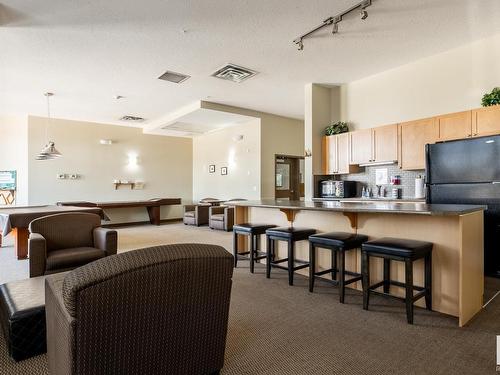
pixel 21 242
pixel 154 215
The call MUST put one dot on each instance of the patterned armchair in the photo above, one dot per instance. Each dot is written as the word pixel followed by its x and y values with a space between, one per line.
pixel 160 310
pixel 62 242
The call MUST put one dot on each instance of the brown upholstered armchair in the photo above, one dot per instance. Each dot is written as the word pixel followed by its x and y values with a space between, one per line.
pixel 160 310
pixel 196 214
pixel 222 217
pixel 63 242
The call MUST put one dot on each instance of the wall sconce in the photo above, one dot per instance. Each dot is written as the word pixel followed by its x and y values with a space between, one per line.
pixel 107 142
pixel 133 161
pixel 307 153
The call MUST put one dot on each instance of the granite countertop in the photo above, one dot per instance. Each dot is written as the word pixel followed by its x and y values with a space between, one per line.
pixel 366 206
pixel 374 199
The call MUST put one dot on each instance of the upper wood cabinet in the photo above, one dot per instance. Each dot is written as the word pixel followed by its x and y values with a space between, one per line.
pixel 385 143
pixel 361 146
pixel 413 136
pixel 455 126
pixel 486 121
pixel 336 155
pixel 374 145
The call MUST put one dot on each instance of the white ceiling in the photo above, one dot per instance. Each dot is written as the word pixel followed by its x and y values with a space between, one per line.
pixel 88 51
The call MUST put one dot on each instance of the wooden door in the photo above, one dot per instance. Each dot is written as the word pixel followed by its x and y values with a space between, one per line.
pixel 385 143
pixel 486 121
pixel 414 135
pixel 455 126
pixel 361 146
pixel 289 175
pixel 330 163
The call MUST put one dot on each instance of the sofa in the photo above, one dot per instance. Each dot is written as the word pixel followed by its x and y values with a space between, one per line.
pixel 62 242
pixel 159 310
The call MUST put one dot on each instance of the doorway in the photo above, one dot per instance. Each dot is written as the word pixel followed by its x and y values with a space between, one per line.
pixel 289 177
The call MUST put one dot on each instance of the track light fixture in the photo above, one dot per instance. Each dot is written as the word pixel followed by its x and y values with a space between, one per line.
pixel 335 20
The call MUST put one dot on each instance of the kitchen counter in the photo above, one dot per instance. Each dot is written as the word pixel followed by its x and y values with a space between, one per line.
pixel 359 199
pixel 366 206
pixel 456 232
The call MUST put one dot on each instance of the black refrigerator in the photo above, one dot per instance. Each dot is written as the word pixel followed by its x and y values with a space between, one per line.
pixel 468 172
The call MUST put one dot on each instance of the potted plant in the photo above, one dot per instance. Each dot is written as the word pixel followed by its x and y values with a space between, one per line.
pixel 337 128
pixel 492 98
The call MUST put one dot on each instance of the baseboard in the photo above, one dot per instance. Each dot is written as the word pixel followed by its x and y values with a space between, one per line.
pixel 139 223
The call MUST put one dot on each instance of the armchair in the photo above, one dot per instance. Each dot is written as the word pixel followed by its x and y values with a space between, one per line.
pixel 160 310
pixel 63 242
pixel 222 217
pixel 197 214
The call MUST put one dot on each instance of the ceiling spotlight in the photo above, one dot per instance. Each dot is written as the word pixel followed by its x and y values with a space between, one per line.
pixel 301 45
pixel 363 14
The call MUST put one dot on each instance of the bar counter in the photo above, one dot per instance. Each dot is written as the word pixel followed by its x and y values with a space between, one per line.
pixel 455 230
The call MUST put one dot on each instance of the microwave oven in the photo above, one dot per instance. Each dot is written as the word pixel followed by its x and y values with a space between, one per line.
pixel 337 189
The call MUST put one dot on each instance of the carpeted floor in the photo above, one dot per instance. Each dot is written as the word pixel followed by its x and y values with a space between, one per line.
pixel 277 329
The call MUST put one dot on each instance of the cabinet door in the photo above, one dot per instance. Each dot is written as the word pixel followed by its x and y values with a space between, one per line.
pixel 455 126
pixel 330 154
pixel 486 121
pixel 361 146
pixel 385 143
pixel 414 135
pixel 343 148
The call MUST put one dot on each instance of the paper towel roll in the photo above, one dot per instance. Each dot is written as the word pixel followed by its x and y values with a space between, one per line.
pixel 419 188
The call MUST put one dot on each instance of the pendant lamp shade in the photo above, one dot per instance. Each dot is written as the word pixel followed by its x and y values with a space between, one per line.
pixel 49 151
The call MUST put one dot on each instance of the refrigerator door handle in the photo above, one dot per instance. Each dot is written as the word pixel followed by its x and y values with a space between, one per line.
pixel 496 182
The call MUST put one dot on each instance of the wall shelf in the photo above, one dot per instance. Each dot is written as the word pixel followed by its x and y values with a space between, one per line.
pixel 118 184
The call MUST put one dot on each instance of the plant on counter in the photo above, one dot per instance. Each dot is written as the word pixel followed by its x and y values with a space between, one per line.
pixel 337 128
pixel 492 98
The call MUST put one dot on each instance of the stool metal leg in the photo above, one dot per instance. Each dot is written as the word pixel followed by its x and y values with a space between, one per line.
pixel 409 290
pixel 235 248
pixel 365 271
pixel 252 252
pixel 290 262
pixel 387 275
pixel 269 256
pixel 312 266
pixel 428 281
pixel 334 264
pixel 342 276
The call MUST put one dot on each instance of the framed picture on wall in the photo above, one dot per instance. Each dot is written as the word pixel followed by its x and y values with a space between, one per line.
pixel 223 171
pixel 211 168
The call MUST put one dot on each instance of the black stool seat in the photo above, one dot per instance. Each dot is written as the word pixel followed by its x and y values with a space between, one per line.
pixel 253 231
pixel 291 233
pixel 252 228
pixel 339 239
pixel 398 247
pixel 404 250
pixel 338 243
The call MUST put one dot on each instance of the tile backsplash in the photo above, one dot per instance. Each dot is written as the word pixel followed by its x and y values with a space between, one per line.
pixel 367 178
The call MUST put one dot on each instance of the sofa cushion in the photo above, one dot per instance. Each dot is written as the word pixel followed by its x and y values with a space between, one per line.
pixel 189 214
pixel 71 258
pixel 217 217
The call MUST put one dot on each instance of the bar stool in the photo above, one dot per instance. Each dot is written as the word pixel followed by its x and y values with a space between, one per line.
pixel 403 250
pixel 337 243
pixel 253 231
pixel 290 235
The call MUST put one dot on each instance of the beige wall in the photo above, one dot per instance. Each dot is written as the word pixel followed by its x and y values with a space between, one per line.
pixel 447 82
pixel 279 135
pixel 223 148
pixel 164 164
pixel 14 152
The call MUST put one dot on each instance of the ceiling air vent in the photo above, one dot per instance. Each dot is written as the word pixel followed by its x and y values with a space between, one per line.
pixel 173 77
pixel 132 118
pixel 233 72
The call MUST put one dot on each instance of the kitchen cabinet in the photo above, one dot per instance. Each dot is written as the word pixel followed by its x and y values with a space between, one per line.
pixel 377 145
pixel 486 121
pixel 455 126
pixel 413 136
pixel 336 155
pixel 361 146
